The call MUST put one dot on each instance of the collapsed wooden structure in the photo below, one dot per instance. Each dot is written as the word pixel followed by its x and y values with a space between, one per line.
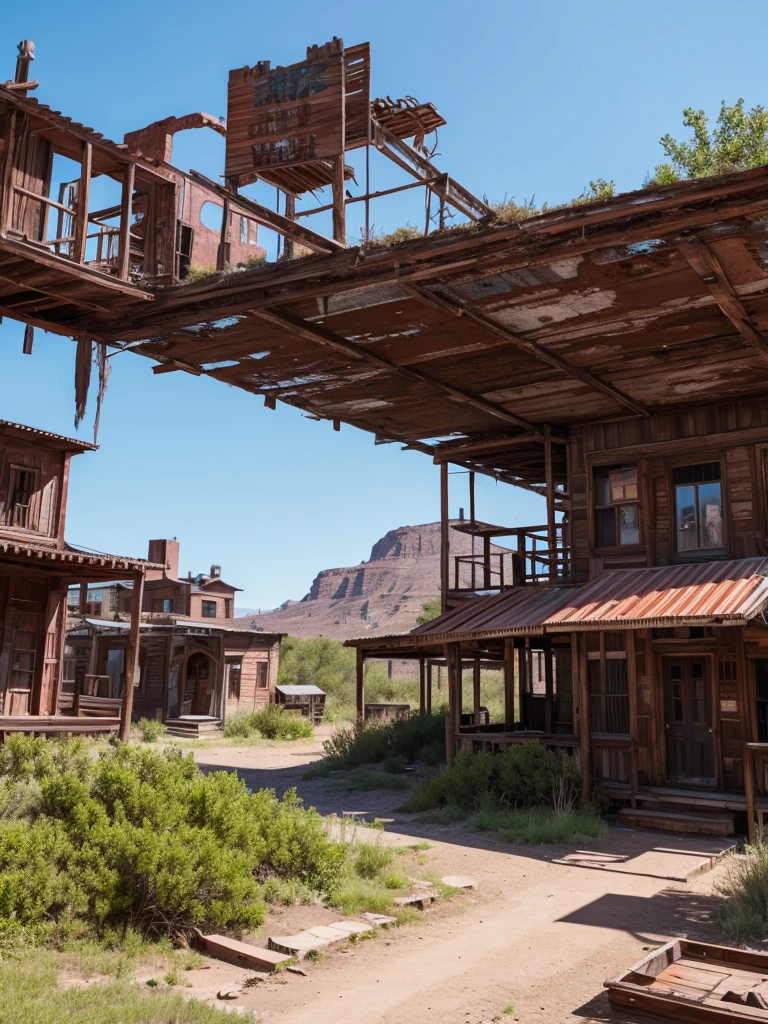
pixel 609 356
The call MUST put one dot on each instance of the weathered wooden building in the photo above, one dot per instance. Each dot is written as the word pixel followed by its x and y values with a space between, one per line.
pixel 610 356
pixel 37 566
pixel 192 674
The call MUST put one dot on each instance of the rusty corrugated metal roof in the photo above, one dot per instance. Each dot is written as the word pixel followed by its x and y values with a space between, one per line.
pixel 727 592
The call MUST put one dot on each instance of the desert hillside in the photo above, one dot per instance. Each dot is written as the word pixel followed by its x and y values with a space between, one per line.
pixel 383 595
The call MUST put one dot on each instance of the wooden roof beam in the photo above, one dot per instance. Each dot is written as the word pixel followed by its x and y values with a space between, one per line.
pixel 322 336
pixel 704 262
pixel 531 348
pixel 445 451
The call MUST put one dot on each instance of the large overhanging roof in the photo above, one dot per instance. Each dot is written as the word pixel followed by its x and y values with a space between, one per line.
pixel 650 301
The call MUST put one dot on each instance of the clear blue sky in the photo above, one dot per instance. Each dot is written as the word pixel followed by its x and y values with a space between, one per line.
pixel 539 98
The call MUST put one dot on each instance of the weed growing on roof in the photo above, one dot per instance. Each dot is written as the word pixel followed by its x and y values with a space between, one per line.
pixel 144 839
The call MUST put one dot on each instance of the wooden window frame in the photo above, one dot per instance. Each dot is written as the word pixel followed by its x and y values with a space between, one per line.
pixel 206 615
pixel 262 683
pixel 698 554
pixel 602 656
pixel 597 550
pixel 230 664
pixel 34 507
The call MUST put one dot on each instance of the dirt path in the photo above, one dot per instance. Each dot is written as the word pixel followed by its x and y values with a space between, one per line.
pixel 539 935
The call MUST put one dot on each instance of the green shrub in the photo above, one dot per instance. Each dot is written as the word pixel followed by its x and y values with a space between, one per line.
pixel 407 739
pixel 150 729
pixel 273 723
pixel 743 913
pixel 371 860
pixel 140 838
pixel 526 775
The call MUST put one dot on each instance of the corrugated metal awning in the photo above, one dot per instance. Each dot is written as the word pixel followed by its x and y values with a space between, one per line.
pixel 307 690
pixel 725 593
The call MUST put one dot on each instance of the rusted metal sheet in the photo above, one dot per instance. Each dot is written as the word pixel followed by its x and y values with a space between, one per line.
pixel 720 592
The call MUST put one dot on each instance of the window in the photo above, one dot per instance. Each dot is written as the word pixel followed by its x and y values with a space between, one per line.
pixel 21 487
pixel 232 672
pixel 209 609
pixel 616 506
pixel 243 231
pixel 608 685
pixel 698 508
pixel 262 674
pixel 167 604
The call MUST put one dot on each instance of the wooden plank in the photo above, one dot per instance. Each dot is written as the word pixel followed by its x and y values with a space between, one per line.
pixel 708 267
pixel 126 214
pixel 444 538
pixel 322 336
pixel 270 218
pixel 532 348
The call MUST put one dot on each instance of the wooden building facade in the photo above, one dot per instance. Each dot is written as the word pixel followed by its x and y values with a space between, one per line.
pixel 189 671
pixel 37 567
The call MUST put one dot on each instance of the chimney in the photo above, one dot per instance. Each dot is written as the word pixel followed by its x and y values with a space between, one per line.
pixel 215 572
pixel 165 551
pixel 461 515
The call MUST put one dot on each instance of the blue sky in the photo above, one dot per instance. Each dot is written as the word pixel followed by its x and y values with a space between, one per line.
pixel 539 99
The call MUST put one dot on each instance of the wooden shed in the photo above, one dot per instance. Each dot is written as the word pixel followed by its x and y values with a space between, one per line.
pixel 308 699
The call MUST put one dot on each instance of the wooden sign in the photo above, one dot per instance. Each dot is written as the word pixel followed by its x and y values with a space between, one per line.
pixel 277 117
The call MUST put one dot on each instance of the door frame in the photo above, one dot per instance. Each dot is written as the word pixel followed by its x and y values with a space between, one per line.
pixel 710 657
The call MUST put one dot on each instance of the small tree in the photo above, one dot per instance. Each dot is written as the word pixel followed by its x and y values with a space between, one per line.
pixel 430 610
pixel 737 143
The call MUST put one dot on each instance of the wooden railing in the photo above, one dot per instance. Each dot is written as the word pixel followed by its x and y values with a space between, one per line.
pixel 532 560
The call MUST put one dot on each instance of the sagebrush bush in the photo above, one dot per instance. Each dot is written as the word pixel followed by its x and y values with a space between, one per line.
pixel 372 859
pixel 407 739
pixel 273 723
pixel 525 775
pixel 743 913
pixel 150 729
pixel 142 838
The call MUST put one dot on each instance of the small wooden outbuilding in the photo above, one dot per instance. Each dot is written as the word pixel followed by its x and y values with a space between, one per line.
pixel 308 699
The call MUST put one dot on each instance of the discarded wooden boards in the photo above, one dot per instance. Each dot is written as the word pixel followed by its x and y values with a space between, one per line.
pixel 687 982
pixel 421 899
pixel 242 954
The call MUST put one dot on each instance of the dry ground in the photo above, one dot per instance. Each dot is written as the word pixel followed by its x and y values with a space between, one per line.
pixel 535 935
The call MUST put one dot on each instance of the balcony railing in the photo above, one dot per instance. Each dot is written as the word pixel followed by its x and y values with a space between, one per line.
pixel 531 560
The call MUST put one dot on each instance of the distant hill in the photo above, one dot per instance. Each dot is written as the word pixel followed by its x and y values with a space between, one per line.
pixel 383 595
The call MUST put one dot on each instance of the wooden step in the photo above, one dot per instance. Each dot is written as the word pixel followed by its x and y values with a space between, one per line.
pixel 678 821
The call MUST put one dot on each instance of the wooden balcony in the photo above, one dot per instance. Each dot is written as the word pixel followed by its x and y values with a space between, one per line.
pixel 531 560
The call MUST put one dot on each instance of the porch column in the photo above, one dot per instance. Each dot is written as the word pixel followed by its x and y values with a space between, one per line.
pixel 422 686
pixel 132 655
pixel 549 681
pixel 126 213
pixel 476 685
pixel 453 717
pixel 581 685
pixel 509 684
pixel 550 486
pixel 83 605
pixel 360 684
pixel 429 687
pixel 444 536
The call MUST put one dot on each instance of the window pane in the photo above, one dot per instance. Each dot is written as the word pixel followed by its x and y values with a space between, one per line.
pixel 602 487
pixel 685 498
pixel 605 527
pixel 623 484
pixel 710 516
pixel 628 528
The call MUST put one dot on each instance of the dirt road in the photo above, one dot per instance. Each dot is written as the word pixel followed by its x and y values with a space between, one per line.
pixel 535 934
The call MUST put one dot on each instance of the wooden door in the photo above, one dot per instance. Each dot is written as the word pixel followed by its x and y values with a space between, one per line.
pixel 688 714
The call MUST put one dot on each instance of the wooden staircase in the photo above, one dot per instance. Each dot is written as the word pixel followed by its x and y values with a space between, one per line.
pixel 674 819
pixel 194 727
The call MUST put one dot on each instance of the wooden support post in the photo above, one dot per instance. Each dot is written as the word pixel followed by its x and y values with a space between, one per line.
pixel 222 253
pixel 132 655
pixel 360 684
pixel 476 686
pixel 83 604
pixel 126 214
pixel 486 562
pixel 522 677
pixel 453 715
pixel 29 338
pixel 749 791
pixel 339 207
pixel 579 665
pixel 634 722
pixel 6 199
pixel 444 536
pixel 509 684
pixel 429 687
pixel 549 681
pixel 422 687
pixel 83 193
pixel 550 485
pixel 290 214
